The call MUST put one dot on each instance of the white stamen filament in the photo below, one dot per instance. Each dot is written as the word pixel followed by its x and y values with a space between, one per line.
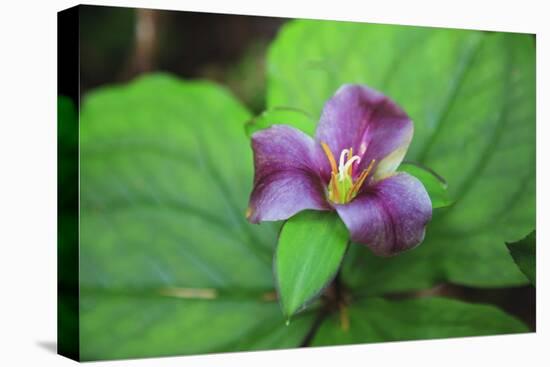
pixel 343 169
pixel 342 159
pixel 353 159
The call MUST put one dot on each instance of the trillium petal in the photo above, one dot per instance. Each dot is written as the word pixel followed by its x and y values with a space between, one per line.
pixel 286 178
pixel 369 122
pixel 391 216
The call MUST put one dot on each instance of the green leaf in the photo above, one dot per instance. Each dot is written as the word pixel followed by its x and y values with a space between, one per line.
pixel 282 116
pixel 471 96
pixel 380 320
pixel 524 254
pixel 309 253
pixel 168 263
pixel 434 184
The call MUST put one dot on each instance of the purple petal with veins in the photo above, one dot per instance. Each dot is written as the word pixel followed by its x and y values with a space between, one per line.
pixel 367 121
pixel 286 177
pixel 391 216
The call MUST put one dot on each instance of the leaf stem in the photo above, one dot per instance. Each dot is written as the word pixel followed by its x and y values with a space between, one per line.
pixel 335 300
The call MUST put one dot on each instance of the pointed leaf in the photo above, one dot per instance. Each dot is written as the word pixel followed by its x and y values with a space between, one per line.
pixel 309 253
pixel 524 254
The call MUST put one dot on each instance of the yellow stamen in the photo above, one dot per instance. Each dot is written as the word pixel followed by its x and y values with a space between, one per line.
pixel 330 157
pixel 371 164
pixel 351 165
pixel 335 193
pixel 357 185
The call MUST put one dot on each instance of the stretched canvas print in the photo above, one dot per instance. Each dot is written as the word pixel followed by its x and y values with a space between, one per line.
pixel 237 183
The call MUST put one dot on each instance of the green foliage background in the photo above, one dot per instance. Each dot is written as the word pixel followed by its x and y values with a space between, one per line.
pixel 168 263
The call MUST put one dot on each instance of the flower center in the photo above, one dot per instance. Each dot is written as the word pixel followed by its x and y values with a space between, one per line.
pixel 342 187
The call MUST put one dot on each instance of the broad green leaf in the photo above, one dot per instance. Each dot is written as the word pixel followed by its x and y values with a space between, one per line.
pixel 471 96
pixel 379 320
pixel 282 116
pixel 435 185
pixel 121 326
pixel 309 253
pixel 169 264
pixel 524 254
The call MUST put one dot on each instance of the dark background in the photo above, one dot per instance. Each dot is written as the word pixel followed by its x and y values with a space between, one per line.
pixel 118 44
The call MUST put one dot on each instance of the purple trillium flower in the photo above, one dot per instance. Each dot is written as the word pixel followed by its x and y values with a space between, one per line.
pixel 383 209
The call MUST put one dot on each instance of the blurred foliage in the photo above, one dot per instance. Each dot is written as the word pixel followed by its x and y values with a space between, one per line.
pixel 524 254
pixel 281 116
pixel 118 44
pixel 379 320
pixel 106 43
pixel 168 263
pixel 246 78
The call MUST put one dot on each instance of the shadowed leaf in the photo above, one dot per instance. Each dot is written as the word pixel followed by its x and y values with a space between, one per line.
pixel 524 254
pixel 378 320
